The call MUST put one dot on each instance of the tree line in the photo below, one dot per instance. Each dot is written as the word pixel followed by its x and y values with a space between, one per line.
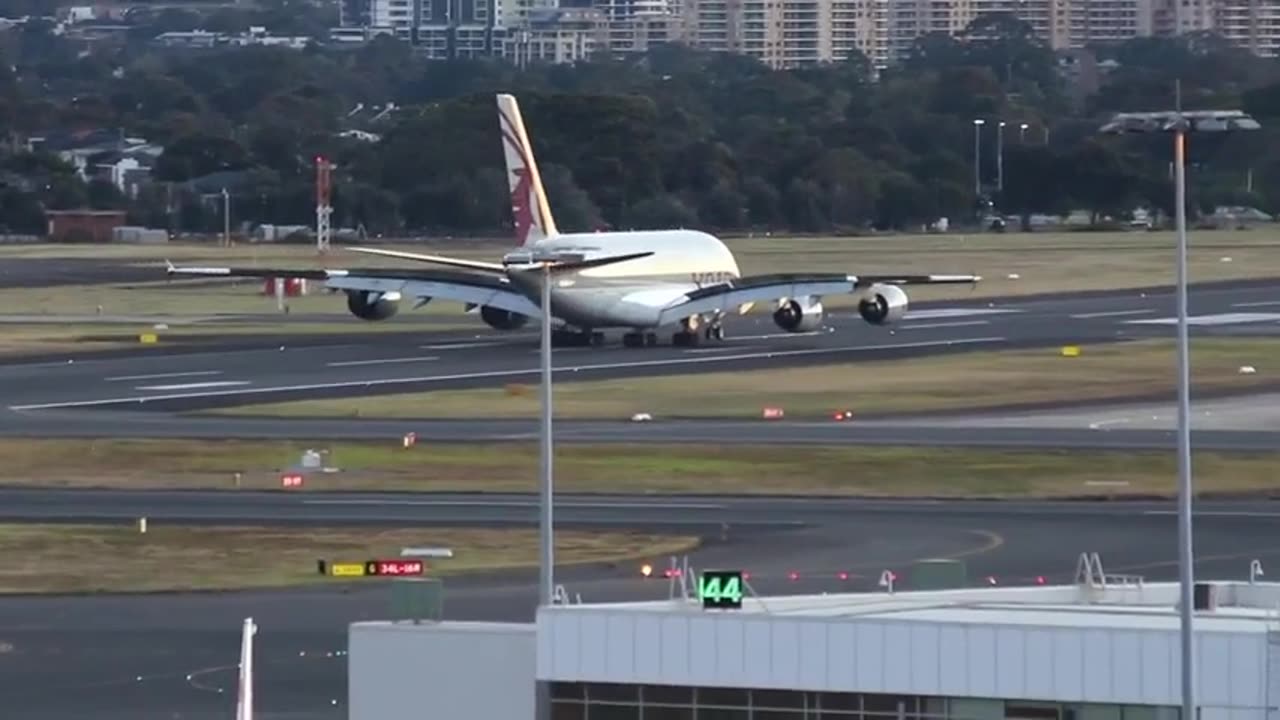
pixel 675 137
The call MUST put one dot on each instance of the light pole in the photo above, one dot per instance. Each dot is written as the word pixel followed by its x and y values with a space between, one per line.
pixel 546 536
pixel 977 156
pixel 1000 157
pixel 1180 124
pixel 544 262
pixel 226 218
pixel 524 264
pixel 1022 133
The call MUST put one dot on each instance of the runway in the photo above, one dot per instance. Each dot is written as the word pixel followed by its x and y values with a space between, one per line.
pixel 153 393
pixel 165 656
pixel 160 656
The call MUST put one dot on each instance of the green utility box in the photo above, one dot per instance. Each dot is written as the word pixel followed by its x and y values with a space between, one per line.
pixel 417 599
pixel 938 575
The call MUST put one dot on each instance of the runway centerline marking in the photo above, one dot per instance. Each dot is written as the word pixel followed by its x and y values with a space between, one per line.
pixel 382 361
pixel 941 313
pixel 262 390
pixel 1111 313
pixel 193 386
pixel 927 326
pixel 459 346
pixel 158 376
pixel 1264 303
pixel 1214 319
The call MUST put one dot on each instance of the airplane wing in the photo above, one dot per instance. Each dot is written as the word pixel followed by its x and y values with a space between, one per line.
pixel 469 288
pixel 768 288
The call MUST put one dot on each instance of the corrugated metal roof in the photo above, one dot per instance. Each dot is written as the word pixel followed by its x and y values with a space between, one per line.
pixel 1243 608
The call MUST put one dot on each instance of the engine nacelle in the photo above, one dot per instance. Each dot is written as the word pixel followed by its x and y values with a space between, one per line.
pixel 500 319
pixel 798 316
pixel 884 304
pixel 373 305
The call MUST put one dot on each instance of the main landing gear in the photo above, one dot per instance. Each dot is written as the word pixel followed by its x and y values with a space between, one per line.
pixel 576 338
pixel 689 335
pixel 639 339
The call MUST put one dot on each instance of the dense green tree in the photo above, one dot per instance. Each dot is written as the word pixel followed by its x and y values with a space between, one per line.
pixel 671 138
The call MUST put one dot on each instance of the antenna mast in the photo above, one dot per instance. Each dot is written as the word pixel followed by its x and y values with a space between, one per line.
pixel 324 189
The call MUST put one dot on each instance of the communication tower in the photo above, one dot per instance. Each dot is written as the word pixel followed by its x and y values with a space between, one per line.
pixel 323 208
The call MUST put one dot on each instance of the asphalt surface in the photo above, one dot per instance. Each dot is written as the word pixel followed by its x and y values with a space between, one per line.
pixel 166 656
pixel 173 656
pixel 152 394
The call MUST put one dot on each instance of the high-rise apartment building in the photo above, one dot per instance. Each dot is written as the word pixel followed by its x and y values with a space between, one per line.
pixel 789 33
pixel 1251 24
pixel 908 20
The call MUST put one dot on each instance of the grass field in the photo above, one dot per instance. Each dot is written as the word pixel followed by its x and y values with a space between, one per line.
pixel 965 380
pixel 512 467
pixel 118 558
pixel 1043 262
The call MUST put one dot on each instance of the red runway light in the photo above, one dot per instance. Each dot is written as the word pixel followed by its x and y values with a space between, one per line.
pixel 844 576
pixel 793 575
pixel 1039 579
pixel 746 575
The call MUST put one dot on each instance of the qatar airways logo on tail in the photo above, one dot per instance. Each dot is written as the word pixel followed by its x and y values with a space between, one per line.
pixel 521 181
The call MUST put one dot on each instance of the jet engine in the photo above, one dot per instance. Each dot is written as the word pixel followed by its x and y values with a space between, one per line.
pixel 883 304
pixel 373 305
pixel 500 319
pixel 804 315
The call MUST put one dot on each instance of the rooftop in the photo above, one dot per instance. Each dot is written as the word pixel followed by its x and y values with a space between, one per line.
pixel 1240 607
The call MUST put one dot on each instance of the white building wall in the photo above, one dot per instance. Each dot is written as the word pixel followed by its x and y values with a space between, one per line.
pixel 442 671
pixel 881 655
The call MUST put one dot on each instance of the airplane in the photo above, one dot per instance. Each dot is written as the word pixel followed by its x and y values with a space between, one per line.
pixel 638 281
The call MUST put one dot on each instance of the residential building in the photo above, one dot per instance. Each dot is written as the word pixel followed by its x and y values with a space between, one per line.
pixel 634 26
pixel 565 35
pixel 1250 24
pixel 910 19
pixel 789 33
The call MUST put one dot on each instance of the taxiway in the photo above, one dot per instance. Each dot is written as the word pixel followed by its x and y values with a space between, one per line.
pixel 174 655
pixel 161 655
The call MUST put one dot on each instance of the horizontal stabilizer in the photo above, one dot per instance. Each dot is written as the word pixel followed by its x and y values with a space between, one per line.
pixel 438 259
pixel 865 280
pixel 570 263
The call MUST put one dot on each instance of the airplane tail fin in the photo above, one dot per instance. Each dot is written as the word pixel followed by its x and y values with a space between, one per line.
pixel 529 207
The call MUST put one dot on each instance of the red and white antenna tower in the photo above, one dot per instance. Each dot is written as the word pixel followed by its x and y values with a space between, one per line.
pixel 324 189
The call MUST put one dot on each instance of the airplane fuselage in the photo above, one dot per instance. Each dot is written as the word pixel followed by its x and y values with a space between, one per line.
pixel 630 294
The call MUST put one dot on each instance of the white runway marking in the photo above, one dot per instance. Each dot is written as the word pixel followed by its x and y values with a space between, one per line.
pixel 1264 303
pixel 193 386
pixel 773 336
pixel 508 373
pixel 158 376
pixel 520 503
pixel 1112 313
pixel 1217 319
pixel 382 361
pixel 954 312
pixel 927 326
pixel 459 346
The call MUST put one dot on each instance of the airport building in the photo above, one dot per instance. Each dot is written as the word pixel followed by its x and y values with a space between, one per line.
pixel 1104 648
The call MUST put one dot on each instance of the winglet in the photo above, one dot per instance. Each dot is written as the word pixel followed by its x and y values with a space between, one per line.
pixel 529 207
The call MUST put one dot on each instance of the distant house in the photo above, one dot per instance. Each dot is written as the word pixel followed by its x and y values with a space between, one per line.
pixel 83 225
pixel 103 155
